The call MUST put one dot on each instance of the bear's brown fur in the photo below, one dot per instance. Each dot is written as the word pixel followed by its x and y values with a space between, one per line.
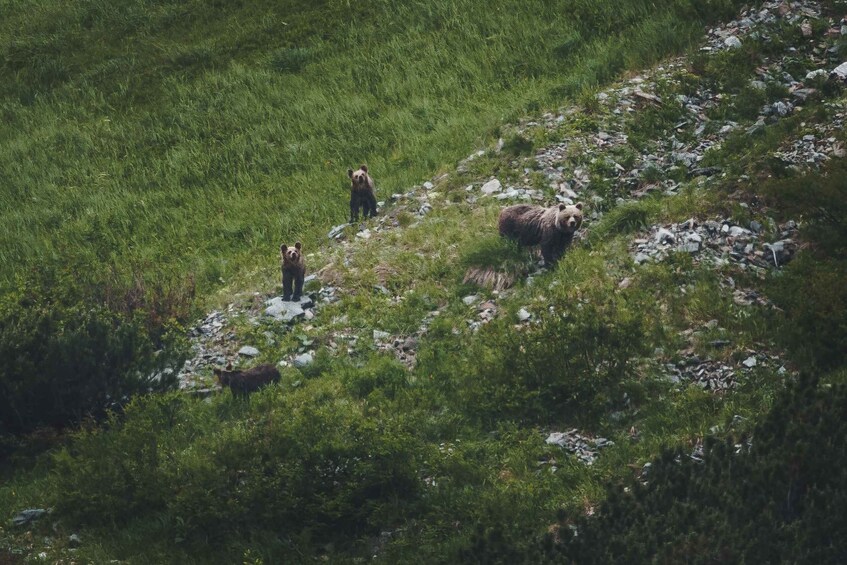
pixel 361 193
pixel 293 270
pixel 553 228
pixel 242 383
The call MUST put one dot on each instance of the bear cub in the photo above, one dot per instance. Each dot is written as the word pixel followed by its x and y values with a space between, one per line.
pixel 361 193
pixel 553 228
pixel 242 383
pixel 293 271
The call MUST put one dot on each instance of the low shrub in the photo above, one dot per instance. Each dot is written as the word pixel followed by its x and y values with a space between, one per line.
pixel 62 363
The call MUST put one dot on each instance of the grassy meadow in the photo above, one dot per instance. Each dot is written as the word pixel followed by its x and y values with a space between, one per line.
pixel 159 150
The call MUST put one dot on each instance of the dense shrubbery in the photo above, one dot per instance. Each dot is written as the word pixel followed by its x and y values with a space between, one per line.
pixel 780 501
pixel 62 363
pixel 295 467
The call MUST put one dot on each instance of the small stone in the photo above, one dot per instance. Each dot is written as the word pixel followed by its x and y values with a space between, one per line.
pixel 732 42
pixel 750 362
pixel 74 540
pixel 641 258
pixel 738 231
pixel 523 315
pixel 664 236
pixel 491 187
pixel 755 226
pixel 816 73
pixel 428 185
pixel 248 351
pixel 471 299
pixel 304 360
pixel 839 72
pixel 337 231
pixel 380 335
pixel 29 515
pixel 806 29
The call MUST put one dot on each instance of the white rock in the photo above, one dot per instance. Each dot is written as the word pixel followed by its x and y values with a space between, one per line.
pixel 491 187
pixel 248 351
pixel 428 185
pixel 750 362
pixel 816 73
pixel 732 42
pixel 840 71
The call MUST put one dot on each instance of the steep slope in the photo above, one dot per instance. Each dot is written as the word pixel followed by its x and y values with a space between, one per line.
pixel 423 417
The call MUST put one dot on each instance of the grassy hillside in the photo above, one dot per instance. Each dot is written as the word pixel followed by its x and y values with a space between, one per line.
pixel 163 147
pixel 644 395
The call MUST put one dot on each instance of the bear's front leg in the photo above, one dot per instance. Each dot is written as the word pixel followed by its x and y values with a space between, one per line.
pixel 371 200
pixel 287 281
pixel 354 209
pixel 298 288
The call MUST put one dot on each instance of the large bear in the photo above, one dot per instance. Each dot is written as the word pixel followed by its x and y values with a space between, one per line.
pixel 553 228
pixel 361 193
pixel 293 270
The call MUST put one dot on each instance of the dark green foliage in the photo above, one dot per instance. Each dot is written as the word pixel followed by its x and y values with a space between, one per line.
pixel 517 145
pixel 572 364
pixel 303 466
pixel 62 363
pixel 780 501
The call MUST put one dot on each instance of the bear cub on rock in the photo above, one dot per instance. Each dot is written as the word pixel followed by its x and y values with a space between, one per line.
pixel 553 228
pixel 293 271
pixel 242 383
pixel 361 193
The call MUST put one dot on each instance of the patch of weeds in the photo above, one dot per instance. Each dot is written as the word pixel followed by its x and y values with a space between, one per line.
pixel 652 174
pixel 495 262
pixel 517 145
pixel 624 219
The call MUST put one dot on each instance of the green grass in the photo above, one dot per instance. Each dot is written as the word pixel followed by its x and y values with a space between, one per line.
pixel 172 146
pixel 235 130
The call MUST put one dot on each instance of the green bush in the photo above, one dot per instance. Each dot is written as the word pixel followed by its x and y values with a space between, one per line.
pixel 64 363
pixel 775 496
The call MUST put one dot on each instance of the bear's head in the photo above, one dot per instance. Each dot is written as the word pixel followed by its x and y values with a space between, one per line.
pixel 291 255
pixel 359 178
pixel 224 375
pixel 569 218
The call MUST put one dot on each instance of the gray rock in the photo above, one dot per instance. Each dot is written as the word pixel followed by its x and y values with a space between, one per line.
pixel 337 232
pixel 816 73
pixel 471 299
pixel 27 516
pixel 248 351
pixel 664 236
pixel 74 540
pixel 839 72
pixel 380 335
pixel 523 315
pixel 738 231
pixel 732 42
pixel 304 360
pixel 690 247
pixel 491 187
pixel 750 362
pixel 641 258
pixel 428 185
pixel 755 226
pixel 286 312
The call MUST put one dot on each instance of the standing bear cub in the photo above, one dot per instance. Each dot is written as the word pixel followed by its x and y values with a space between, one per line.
pixel 553 228
pixel 361 193
pixel 293 270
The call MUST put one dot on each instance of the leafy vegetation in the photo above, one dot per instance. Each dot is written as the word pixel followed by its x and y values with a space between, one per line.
pixel 159 152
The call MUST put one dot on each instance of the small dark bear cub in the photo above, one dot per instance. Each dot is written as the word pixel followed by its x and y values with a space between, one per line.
pixel 361 193
pixel 553 228
pixel 293 271
pixel 242 383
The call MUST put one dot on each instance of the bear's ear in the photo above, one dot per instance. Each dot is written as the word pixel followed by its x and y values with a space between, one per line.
pixel 562 207
pixel 283 248
pixel 298 245
pixel 350 173
pixel 364 168
pixel 579 205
